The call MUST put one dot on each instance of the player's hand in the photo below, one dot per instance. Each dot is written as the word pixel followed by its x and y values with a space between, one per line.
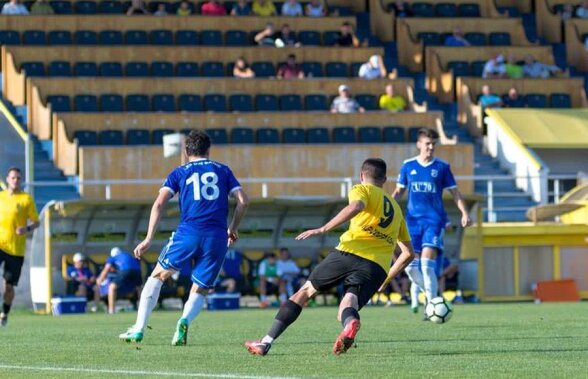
pixel 466 220
pixel 142 248
pixel 233 236
pixel 310 233
pixel 21 230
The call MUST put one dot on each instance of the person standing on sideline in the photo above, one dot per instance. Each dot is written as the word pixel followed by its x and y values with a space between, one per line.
pixel 202 237
pixel 17 208
pixel 425 177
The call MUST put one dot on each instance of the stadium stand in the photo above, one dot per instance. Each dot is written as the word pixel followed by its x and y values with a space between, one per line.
pixel 576 33
pixel 549 22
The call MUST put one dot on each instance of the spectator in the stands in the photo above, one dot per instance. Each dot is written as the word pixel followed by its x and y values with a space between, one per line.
pixel 344 103
pixel 513 69
pixel 582 11
pixel 286 37
pixel 41 7
pixel 80 279
pixel 456 39
pixel 513 100
pixel 161 10
pixel 401 8
pixel 266 37
pixel 241 8
pixel 269 280
pixel 566 12
pixel 184 9
pixel 291 69
pixel 137 8
pixel 213 8
pixel 315 8
pixel 292 8
pixel 495 68
pixel 488 99
pixel 230 278
pixel 264 8
pixel 347 36
pixel 390 101
pixel 288 271
pixel 373 69
pixel 14 8
pixel 535 69
pixel 242 69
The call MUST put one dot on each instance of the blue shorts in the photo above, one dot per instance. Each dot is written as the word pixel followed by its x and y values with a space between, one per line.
pixel 206 253
pixel 425 234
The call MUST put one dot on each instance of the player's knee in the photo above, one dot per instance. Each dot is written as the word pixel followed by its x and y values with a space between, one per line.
pixel 197 289
pixel 308 289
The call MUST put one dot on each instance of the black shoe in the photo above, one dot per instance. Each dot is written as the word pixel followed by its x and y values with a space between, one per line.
pixel 258 347
pixel 3 319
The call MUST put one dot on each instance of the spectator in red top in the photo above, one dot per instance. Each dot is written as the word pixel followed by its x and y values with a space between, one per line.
pixel 213 8
pixel 291 69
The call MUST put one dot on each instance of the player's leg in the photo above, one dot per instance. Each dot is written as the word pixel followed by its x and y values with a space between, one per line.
pixel 413 270
pixel 12 270
pixel 415 290
pixel 348 315
pixel 282 290
pixel 112 288
pixel 432 242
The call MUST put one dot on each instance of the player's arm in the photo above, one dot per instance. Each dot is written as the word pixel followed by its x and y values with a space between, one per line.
pixel 158 205
pixel 240 209
pixel 406 256
pixel 398 193
pixel 342 217
pixel 465 217
pixel 103 274
pixel 31 215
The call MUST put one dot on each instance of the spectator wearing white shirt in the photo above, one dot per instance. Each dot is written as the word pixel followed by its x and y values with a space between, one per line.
pixel 373 69
pixel 292 8
pixel 288 272
pixel 14 8
pixel 344 103
pixel 495 68
pixel 582 11
pixel 534 69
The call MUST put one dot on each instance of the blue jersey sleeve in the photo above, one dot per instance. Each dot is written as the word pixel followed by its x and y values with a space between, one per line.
pixel 111 261
pixel 232 182
pixel 448 179
pixel 402 180
pixel 172 182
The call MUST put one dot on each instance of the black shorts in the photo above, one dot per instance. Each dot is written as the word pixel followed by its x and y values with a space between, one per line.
pixel 358 275
pixel 12 267
pixel 128 279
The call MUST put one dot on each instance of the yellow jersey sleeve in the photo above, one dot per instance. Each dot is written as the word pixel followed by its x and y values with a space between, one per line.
pixel 403 232
pixel 359 193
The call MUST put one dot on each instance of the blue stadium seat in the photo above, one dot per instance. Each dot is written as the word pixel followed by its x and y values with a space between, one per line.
pixel 163 103
pixel 423 9
pixel 61 7
pixel 211 38
pixel 446 10
pixel 34 37
pixel 429 38
pixel 111 103
pixel 59 37
pixel 111 137
pixel 370 134
pixel 33 68
pixel 137 103
pixel 309 38
pixel 110 37
pixel 215 103
pixel 138 137
pixel 136 37
pixel 317 135
pixel 186 38
pixel 477 68
pixel 112 69
pixel 290 103
pixel 85 7
pixel 161 37
pixel 468 10
pixel 242 136
pixel 337 70
pixel 266 103
pixel 394 134
pixel 499 39
pixel 85 69
pixel 213 69
pixel 59 68
pixel 413 133
pixel 218 136
pixel 476 39
pixel 9 37
pixel 241 103
pixel 536 100
pixel 263 69
pixel 136 69
pixel 157 135
pixel 86 37
pixel 110 7
pixel 85 103
pixel 316 103
pixel 344 134
pixel 268 135
pixel 236 38
pixel 459 68
pixel 162 69
pixel 330 37
pixel 560 100
pixel 369 102
pixel 59 103
pixel 187 69
pixel 342 10
pixel 355 66
pixel 189 103
pixel 86 137
pixel 293 135
pixel 312 69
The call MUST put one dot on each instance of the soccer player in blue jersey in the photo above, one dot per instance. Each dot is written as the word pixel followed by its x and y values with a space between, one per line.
pixel 424 178
pixel 203 187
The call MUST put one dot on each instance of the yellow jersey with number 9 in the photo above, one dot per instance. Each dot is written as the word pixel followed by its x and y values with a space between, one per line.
pixel 374 231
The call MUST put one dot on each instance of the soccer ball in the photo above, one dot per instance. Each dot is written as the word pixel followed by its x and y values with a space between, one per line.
pixel 438 310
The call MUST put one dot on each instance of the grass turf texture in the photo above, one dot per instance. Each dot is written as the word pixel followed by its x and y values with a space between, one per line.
pixel 486 340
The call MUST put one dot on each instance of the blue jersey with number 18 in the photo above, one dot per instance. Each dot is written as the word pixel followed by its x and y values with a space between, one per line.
pixel 204 187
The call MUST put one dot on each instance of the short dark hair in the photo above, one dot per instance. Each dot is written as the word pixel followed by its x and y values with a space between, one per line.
pixel 13 168
pixel 374 168
pixel 291 56
pixel 427 132
pixel 197 143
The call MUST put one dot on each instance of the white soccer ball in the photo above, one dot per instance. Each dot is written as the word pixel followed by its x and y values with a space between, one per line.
pixel 438 310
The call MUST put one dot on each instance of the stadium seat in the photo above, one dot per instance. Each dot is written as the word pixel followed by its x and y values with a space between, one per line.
pixel 355 66
pixel 476 39
pixel 186 69
pixel 111 137
pixel 213 69
pixel 236 38
pixel 136 37
pixel 312 69
pixel 394 134
pixel 59 103
pixel 136 69
pixel 318 135
pixel 59 37
pixel 61 7
pixel 309 38
pixel 163 103
pixel 446 10
pixel 420 9
pixel 330 37
pixel 138 137
pixel 370 134
pixel 86 137
pixel 536 100
pixel 86 7
pixel 263 69
pixel 459 68
pixel 86 37
pixel 157 135
pixel 316 103
pixel 9 37
pixel 186 38
pixel 161 37
pixel 468 10
pixel 34 37
pixel 110 37
pixel 215 103
pixel 477 68
pixel 241 103
pixel 499 39
pixel 412 133
pixel 429 38
pixel 112 69
pixel 189 103
pixel 218 136
pixel 268 135
pixel 211 38
pixel 33 68
pixel 162 69
pixel 337 70
pixel 266 103
pixel 110 7
pixel 111 103
pixel 290 103
pixel 293 135
pixel 369 102
pixel 137 103
pixel 519 103
pixel 85 103
pixel 85 69
pixel 560 100
pixel 343 134
pixel 242 135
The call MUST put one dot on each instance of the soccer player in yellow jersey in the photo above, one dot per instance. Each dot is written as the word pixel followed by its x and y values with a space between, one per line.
pixel 359 262
pixel 16 209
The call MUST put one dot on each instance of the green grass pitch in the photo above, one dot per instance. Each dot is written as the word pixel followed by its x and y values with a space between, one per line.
pixel 486 340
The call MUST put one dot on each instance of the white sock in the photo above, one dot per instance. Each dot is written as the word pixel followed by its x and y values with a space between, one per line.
pixel 413 270
pixel 414 295
pixel 149 297
pixel 428 266
pixel 193 306
pixel 267 339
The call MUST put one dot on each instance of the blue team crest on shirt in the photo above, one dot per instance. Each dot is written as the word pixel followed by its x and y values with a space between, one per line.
pixel 434 173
